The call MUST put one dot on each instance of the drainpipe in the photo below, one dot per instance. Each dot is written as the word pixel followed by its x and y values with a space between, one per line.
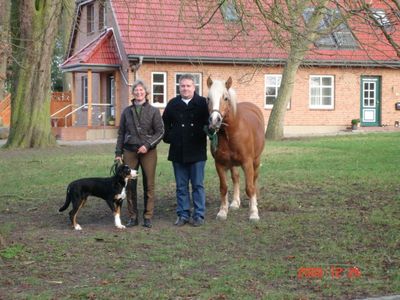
pixel 135 68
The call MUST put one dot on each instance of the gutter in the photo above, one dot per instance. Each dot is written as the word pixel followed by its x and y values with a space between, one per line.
pixel 267 62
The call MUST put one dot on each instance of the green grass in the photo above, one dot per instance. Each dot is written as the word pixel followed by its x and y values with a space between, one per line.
pixel 324 202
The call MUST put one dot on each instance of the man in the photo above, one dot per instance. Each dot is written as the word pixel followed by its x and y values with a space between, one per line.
pixel 184 119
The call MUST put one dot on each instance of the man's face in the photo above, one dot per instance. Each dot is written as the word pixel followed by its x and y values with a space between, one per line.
pixel 186 88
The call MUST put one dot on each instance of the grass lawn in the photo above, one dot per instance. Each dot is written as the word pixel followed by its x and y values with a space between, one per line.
pixel 329 228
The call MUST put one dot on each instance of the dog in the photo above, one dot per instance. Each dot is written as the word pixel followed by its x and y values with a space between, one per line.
pixel 111 189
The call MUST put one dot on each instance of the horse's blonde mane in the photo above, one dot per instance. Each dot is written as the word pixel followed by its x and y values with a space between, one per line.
pixel 232 97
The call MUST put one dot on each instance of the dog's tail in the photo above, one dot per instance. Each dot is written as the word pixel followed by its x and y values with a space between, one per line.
pixel 67 201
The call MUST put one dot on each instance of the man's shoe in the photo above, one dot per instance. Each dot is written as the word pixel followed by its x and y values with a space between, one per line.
pixel 132 222
pixel 198 222
pixel 181 221
pixel 147 223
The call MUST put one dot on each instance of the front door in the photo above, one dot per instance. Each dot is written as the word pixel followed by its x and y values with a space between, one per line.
pixel 370 101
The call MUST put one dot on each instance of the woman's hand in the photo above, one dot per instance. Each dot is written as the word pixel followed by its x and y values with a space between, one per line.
pixel 142 150
pixel 119 159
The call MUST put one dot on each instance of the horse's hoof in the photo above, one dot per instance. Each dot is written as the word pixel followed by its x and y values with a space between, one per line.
pixel 234 206
pixel 254 219
pixel 221 217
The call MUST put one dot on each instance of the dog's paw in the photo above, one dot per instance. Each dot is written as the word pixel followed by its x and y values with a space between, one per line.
pixel 120 226
pixel 77 227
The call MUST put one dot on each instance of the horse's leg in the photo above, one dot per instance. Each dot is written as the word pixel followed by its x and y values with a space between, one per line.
pixel 223 189
pixel 256 167
pixel 251 190
pixel 235 204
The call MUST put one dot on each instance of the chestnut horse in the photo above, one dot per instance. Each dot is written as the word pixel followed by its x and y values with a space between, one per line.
pixel 239 128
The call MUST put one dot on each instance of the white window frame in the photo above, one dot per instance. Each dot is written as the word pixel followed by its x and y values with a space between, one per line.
pixel 198 85
pixel 270 106
pixel 320 87
pixel 102 12
pixel 85 92
pixel 164 84
pixel 90 18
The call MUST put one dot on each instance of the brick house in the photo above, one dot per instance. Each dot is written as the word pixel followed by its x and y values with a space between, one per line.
pixel 115 42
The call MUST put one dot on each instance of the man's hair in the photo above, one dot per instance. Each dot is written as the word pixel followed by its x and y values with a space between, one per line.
pixel 187 76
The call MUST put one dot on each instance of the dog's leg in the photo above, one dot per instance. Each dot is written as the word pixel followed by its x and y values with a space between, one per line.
pixel 117 214
pixel 74 212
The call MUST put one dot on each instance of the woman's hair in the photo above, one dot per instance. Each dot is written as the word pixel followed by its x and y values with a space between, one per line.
pixel 141 83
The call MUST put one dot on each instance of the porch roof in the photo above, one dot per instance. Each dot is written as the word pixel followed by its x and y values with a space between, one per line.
pixel 99 55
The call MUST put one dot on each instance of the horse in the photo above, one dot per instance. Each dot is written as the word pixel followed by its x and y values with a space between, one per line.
pixel 239 131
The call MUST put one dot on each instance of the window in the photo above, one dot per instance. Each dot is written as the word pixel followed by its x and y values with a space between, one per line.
pixel 84 90
pixel 102 15
pixel 272 84
pixel 90 18
pixel 321 92
pixel 197 81
pixel 159 89
pixel 381 17
pixel 229 11
pixel 111 96
pixel 340 37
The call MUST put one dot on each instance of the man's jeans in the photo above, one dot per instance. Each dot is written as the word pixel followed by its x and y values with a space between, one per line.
pixel 193 172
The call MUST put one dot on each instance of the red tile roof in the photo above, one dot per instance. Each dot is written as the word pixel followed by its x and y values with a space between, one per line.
pixel 100 52
pixel 165 30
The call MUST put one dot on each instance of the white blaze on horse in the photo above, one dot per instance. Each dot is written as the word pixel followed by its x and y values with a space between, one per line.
pixel 239 128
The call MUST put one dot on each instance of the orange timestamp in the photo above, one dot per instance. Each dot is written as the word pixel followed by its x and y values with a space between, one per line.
pixel 333 271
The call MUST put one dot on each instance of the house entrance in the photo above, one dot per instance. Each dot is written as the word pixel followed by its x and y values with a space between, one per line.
pixel 370 101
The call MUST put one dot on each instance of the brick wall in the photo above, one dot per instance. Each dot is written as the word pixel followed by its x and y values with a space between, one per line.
pixel 248 81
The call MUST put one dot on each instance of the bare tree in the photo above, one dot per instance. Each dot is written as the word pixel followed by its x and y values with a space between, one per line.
pixel 34 26
pixel 296 27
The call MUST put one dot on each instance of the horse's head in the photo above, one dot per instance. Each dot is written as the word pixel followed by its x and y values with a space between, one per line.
pixel 221 100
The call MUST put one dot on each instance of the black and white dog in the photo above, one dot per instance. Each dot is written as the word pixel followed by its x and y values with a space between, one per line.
pixel 111 189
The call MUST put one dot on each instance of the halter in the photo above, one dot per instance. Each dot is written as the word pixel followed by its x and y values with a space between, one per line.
pixel 221 115
pixel 211 133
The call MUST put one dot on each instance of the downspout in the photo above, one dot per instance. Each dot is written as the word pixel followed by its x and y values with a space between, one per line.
pixel 135 68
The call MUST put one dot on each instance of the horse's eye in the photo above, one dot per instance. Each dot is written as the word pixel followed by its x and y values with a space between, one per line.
pixel 208 100
pixel 226 98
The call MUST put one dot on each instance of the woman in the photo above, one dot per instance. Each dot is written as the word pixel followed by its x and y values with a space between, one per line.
pixel 140 130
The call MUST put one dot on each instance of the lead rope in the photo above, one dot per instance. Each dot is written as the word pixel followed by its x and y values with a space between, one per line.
pixel 212 136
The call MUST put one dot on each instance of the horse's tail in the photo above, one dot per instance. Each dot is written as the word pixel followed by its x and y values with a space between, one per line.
pixel 67 201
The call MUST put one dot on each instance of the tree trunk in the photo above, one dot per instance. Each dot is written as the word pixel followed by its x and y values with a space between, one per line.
pixel 67 19
pixel 300 42
pixel 4 43
pixel 277 117
pixel 30 102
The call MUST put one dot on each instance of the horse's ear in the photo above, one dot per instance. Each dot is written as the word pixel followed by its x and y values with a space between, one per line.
pixel 228 83
pixel 209 81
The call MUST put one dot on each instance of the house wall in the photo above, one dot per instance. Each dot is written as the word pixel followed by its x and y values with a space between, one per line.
pixel 248 81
